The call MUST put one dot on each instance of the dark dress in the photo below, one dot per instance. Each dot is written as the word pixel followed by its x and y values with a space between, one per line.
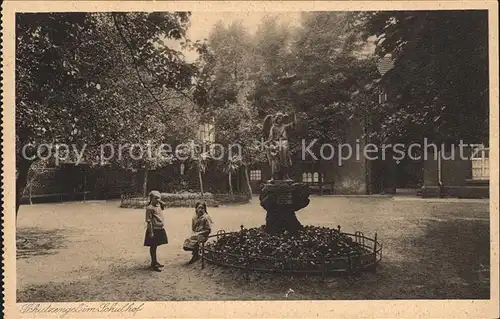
pixel 154 215
pixel 160 238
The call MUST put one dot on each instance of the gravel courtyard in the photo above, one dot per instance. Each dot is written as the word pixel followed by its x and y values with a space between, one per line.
pixel 93 251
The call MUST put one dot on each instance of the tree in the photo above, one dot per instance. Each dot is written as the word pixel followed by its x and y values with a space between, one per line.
pixel 440 74
pixel 318 75
pixel 225 91
pixel 272 61
pixel 198 153
pixel 80 77
pixel 239 129
pixel 36 171
pixel 150 144
pixel 233 165
pixel 227 67
pixel 201 160
pixel 315 70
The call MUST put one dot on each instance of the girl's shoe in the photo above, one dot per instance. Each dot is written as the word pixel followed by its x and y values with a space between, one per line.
pixel 155 268
pixel 159 265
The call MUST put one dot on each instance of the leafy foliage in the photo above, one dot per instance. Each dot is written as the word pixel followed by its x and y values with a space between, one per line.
pixel 319 72
pixel 325 71
pixel 97 78
pixel 440 77
pixel 64 96
pixel 315 70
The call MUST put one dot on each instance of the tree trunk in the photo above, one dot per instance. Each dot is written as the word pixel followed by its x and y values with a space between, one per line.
pixel 231 195
pixel 247 179
pixel 145 183
pixel 30 191
pixel 23 168
pixel 200 177
pixel 84 183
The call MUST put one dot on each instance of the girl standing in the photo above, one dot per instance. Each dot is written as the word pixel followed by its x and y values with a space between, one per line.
pixel 155 232
pixel 201 226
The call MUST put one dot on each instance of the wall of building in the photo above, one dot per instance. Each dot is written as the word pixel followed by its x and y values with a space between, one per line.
pixel 350 177
pixel 456 177
pixel 265 173
pixel 453 172
pixel 338 177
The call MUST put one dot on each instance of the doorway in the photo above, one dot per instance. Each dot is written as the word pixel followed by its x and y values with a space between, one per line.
pixel 409 176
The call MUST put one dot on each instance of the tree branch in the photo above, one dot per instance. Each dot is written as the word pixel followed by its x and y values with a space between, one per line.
pixel 135 62
pixel 146 67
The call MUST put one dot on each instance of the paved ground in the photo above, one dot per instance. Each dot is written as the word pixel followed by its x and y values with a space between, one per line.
pixel 93 251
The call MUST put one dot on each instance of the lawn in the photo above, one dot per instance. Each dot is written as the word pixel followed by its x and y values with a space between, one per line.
pixel 93 251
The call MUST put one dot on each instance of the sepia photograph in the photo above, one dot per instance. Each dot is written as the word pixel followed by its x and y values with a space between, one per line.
pixel 211 155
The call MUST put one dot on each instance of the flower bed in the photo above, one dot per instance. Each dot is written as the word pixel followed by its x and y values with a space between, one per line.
pixel 168 197
pixel 237 199
pixel 311 250
pixel 185 199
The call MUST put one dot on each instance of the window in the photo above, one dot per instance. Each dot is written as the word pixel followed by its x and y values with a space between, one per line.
pixel 206 133
pixel 310 177
pixel 255 175
pixel 307 177
pixel 382 98
pixel 480 163
pixel 316 177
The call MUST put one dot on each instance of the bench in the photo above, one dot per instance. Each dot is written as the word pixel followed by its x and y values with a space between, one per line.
pixel 322 188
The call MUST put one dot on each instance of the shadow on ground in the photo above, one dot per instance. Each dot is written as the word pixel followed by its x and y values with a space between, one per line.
pixel 31 242
pixel 451 259
pixel 120 283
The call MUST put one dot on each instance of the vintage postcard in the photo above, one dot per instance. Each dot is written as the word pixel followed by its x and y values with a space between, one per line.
pixel 250 159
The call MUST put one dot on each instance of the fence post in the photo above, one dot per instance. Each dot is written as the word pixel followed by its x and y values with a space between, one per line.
pixel 323 269
pixel 203 255
pixel 220 232
pixel 375 253
pixel 247 275
pixel 349 262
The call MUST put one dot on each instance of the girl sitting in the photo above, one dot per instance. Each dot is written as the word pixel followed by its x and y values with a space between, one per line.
pixel 201 228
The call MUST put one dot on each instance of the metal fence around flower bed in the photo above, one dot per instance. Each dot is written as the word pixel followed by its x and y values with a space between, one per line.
pixel 339 265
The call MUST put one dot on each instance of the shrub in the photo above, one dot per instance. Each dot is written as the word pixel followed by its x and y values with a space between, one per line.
pixel 167 197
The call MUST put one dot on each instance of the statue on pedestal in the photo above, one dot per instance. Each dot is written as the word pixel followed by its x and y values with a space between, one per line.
pixel 275 130
pixel 281 196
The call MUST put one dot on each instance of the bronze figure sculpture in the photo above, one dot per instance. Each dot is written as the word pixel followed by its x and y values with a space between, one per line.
pixel 275 130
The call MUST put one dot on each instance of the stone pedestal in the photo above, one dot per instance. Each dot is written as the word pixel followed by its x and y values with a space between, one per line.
pixel 281 199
